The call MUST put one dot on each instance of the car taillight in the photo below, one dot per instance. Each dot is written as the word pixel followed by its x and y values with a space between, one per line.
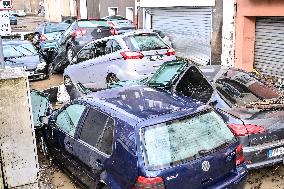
pixel 170 52
pixel 43 38
pixel 110 24
pixel 79 32
pixel 131 55
pixel 113 31
pixel 145 183
pixel 246 129
pixel 240 158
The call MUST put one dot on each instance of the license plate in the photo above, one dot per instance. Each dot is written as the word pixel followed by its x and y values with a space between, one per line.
pixel 276 152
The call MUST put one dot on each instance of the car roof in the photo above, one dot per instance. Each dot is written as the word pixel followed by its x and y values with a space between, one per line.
pixel 120 36
pixel 15 42
pixel 134 104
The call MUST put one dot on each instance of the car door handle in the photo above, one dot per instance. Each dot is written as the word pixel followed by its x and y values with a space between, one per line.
pixel 99 163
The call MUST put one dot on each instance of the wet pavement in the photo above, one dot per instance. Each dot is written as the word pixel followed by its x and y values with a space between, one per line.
pixel 27 24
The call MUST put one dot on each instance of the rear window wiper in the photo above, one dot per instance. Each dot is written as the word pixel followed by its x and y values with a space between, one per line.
pixel 159 48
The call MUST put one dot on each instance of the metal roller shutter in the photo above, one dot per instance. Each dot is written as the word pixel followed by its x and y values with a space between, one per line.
pixel 189 29
pixel 269 43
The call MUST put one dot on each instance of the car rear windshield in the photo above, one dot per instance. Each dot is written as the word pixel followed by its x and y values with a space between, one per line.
pixel 56 28
pixel 166 73
pixel 180 141
pixel 145 42
pixel 18 50
pixel 92 23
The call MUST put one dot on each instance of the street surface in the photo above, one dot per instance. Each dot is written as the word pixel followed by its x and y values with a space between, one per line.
pixel 52 177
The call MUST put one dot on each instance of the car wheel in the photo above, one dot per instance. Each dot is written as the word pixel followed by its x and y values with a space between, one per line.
pixel 111 78
pixel 70 54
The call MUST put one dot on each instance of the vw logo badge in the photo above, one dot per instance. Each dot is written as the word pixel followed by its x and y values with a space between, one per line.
pixel 205 165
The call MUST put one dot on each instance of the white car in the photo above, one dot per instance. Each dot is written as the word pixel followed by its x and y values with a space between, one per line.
pixel 130 56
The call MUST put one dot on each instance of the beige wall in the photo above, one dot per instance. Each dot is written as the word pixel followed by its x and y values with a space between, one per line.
pixel 55 9
pixel 30 6
pixel 247 11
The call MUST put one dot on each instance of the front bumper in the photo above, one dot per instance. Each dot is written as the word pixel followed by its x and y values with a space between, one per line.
pixel 257 156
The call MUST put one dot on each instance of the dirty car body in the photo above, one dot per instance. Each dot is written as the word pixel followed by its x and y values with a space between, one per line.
pixel 252 109
pixel 20 53
pixel 137 137
pixel 129 56
pixel 255 113
pixel 47 35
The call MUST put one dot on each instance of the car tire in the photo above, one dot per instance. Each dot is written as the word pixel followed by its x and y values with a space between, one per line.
pixel 70 54
pixel 111 78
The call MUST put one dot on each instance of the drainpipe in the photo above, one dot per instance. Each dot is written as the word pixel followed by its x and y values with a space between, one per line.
pixel 77 9
pixel 137 4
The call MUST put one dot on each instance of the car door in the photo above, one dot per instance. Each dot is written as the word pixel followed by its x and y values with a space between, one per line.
pixel 61 135
pixel 106 51
pixel 94 145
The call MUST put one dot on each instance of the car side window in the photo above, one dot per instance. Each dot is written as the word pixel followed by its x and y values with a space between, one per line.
pixel 68 119
pixel 85 53
pixel 106 138
pixel 97 131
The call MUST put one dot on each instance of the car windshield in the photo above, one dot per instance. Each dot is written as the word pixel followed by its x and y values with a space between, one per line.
pixel 240 88
pixel 50 28
pixel 144 42
pixel 171 143
pixel 166 73
pixel 92 23
pixel 17 50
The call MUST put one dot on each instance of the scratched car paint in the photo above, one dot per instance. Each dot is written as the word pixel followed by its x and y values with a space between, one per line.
pixel 130 137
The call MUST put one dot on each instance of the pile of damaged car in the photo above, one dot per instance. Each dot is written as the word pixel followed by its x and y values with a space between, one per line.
pixel 184 126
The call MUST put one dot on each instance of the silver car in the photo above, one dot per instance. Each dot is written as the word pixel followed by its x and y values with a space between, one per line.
pixel 130 56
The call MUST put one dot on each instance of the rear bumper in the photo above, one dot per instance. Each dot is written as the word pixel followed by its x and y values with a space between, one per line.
pixel 257 156
pixel 236 181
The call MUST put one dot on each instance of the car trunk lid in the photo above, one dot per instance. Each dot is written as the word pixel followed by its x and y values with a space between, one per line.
pixel 210 158
pixel 272 122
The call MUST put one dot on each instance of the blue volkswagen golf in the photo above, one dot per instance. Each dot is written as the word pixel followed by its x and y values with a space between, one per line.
pixel 138 137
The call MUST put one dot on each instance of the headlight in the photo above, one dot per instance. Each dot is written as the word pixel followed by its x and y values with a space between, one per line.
pixel 41 66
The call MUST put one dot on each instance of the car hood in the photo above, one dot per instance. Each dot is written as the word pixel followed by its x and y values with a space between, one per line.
pixel 27 62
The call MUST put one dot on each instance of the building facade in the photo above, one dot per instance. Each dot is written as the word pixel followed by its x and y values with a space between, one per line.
pixel 30 6
pixel 260 36
pixel 56 9
pixel 194 27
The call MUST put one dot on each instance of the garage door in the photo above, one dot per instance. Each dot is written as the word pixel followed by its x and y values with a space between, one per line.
pixel 269 46
pixel 189 29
